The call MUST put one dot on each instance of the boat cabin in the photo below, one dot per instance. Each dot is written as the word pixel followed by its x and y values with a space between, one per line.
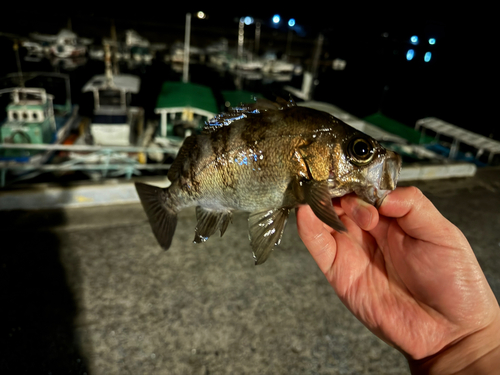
pixel 183 109
pixel 114 121
pixel 30 117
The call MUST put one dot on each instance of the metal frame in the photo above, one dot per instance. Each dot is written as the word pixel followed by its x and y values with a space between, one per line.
pixel 111 160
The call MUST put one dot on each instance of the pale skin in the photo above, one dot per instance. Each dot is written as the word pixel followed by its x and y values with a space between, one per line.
pixel 411 277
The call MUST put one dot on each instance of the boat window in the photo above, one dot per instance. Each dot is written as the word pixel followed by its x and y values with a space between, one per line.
pixel 34 115
pixel 15 115
pixel 109 97
pixel 110 119
pixel 25 115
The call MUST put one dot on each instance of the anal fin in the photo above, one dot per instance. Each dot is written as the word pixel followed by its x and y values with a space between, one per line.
pixel 209 221
pixel 317 195
pixel 266 229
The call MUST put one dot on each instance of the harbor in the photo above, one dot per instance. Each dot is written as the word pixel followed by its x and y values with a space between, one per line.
pixel 121 89
pixel 91 108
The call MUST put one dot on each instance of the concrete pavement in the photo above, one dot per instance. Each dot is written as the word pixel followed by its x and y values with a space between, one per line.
pixel 88 290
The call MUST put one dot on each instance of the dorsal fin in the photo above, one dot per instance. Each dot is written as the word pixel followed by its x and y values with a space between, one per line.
pixel 245 110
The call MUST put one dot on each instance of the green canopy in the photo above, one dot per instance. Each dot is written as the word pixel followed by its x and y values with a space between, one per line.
pixel 180 95
pixel 395 127
pixel 233 98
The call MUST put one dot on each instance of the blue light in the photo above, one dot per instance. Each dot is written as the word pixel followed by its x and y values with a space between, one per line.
pixel 248 20
pixel 432 41
pixel 410 54
pixel 414 40
pixel 276 18
pixel 427 56
pixel 291 22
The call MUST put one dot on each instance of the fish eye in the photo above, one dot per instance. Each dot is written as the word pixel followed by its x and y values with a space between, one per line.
pixel 361 151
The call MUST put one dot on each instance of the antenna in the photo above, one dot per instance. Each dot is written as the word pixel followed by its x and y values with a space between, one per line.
pixel 115 47
pixel 16 50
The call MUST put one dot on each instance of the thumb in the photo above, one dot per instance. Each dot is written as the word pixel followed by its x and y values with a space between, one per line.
pixel 418 217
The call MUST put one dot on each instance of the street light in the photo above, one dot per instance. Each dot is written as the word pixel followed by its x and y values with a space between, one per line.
pixel 291 24
pixel 247 20
pixel 410 54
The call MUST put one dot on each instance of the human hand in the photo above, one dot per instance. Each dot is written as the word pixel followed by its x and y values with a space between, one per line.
pixel 411 277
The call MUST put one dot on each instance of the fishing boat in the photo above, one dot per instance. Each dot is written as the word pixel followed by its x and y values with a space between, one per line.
pixel 419 162
pixel 34 119
pixel 446 140
pixel 64 44
pixel 183 108
pixel 460 144
pixel 234 98
pixel 115 121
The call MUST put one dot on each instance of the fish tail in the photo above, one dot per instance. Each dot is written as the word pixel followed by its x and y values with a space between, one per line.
pixel 161 213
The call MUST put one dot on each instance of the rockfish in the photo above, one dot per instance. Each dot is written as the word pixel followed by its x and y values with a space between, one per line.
pixel 267 158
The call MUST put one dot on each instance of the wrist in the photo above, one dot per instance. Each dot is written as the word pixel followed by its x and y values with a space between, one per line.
pixel 478 353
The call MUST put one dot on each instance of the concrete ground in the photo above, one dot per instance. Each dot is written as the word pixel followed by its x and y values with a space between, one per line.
pixel 88 291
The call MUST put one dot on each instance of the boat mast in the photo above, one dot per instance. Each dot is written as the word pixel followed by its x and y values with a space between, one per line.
pixel 115 47
pixel 185 75
pixel 107 62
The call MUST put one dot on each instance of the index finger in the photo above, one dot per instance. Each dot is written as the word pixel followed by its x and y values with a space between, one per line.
pixel 316 237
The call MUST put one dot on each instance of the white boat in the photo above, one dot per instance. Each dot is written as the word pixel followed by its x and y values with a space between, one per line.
pixel 278 66
pixel 246 64
pixel 176 56
pixel 65 44
pixel 115 121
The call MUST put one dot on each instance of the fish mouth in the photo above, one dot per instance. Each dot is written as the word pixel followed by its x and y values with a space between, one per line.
pixel 372 184
pixel 382 178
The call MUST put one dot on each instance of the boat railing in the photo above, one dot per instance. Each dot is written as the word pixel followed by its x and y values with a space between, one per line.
pixel 108 160
pixel 480 143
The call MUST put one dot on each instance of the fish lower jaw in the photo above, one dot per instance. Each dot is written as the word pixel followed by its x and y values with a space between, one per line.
pixel 339 192
pixel 372 195
pixel 369 193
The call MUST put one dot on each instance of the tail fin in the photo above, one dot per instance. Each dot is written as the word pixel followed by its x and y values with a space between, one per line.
pixel 162 216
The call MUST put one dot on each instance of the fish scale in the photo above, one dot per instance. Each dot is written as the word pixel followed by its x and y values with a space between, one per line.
pixel 267 158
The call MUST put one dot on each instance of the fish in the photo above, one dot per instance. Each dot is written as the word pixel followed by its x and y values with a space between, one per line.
pixel 266 158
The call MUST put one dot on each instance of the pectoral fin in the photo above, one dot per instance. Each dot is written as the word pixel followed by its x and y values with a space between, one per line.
pixel 209 222
pixel 266 229
pixel 317 196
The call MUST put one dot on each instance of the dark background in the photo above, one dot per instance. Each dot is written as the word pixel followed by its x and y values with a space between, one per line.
pixel 457 85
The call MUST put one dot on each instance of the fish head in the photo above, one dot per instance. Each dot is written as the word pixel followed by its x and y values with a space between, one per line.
pixel 362 165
